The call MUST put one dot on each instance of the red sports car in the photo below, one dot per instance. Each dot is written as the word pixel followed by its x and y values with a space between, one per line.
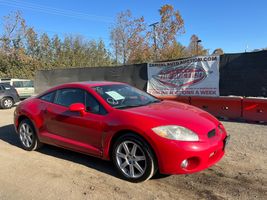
pixel 115 121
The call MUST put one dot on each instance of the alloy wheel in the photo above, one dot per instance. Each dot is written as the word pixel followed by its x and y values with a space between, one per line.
pixel 8 103
pixel 26 135
pixel 131 159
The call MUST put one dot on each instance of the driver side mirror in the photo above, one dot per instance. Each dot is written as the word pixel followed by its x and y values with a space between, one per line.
pixel 77 107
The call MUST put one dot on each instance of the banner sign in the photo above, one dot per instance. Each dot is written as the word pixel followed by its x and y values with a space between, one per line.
pixel 197 76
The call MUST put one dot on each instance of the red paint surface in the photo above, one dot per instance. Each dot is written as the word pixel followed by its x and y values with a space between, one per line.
pixel 92 133
pixel 255 109
pixel 229 107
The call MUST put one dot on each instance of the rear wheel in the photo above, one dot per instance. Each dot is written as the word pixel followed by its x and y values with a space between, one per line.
pixel 27 136
pixel 7 103
pixel 133 158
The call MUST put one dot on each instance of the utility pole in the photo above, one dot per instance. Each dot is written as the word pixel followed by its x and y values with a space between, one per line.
pixel 155 40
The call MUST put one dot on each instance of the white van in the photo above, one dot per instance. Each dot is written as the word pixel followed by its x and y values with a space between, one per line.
pixel 24 87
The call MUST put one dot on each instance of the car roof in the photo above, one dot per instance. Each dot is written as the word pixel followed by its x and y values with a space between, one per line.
pixel 93 83
pixel 6 84
pixel 14 79
pixel 82 84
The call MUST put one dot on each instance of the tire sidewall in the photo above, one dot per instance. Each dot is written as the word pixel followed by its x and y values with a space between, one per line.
pixel 3 101
pixel 34 137
pixel 150 165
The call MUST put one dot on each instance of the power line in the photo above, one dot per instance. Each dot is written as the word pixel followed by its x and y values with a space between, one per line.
pixel 89 36
pixel 56 11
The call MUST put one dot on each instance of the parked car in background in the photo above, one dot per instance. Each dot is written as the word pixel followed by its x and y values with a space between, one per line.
pixel 8 96
pixel 24 87
pixel 114 121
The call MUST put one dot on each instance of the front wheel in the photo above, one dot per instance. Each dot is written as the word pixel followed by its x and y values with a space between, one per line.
pixel 7 103
pixel 27 136
pixel 133 158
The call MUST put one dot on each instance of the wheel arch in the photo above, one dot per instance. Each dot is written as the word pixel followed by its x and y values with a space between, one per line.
pixel 8 96
pixel 124 132
pixel 36 142
pixel 22 117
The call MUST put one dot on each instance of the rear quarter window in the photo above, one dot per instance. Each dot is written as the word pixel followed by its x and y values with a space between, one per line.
pixel 49 97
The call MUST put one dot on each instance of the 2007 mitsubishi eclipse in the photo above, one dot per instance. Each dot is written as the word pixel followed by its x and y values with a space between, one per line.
pixel 115 121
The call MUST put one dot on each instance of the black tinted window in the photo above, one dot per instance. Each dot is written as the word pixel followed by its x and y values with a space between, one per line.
pixel 92 105
pixel 66 97
pixel 48 97
pixel 7 87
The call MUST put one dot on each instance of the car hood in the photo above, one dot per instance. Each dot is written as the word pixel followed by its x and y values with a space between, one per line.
pixel 174 113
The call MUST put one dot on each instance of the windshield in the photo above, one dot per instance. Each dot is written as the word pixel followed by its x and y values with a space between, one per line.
pixel 124 96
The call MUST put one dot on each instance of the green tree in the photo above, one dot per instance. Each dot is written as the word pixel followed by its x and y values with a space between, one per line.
pixel 56 49
pixel 45 48
pixel 32 43
pixel 22 52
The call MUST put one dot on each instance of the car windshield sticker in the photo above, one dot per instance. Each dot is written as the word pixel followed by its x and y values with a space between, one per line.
pixel 115 95
pixel 112 101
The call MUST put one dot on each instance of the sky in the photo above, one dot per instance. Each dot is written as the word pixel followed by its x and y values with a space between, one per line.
pixel 233 25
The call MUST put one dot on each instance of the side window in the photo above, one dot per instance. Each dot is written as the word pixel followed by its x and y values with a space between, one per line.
pixel 7 87
pixel 27 83
pixel 48 97
pixel 17 84
pixel 93 106
pixel 66 97
pixel 2 88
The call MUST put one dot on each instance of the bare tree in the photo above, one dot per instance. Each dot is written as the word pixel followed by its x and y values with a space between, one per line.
pixel 14 32
pixel 170 26
pixel 127 36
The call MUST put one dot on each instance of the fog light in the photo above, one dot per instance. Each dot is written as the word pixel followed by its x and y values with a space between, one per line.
pixel 184 164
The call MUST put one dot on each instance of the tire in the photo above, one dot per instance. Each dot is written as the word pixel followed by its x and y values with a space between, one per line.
pixel 7 103
pixel 27 136
pixel 158 175
pixel 133 158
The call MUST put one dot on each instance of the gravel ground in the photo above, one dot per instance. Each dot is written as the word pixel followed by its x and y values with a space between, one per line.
pixel 53 173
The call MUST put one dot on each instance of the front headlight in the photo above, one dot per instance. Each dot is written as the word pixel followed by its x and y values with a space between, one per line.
pixel 176 133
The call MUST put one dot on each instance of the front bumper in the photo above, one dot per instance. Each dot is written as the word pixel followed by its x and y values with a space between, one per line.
pixel 199 155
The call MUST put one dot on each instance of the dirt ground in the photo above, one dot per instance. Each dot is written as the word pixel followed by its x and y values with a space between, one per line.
pixel 53 173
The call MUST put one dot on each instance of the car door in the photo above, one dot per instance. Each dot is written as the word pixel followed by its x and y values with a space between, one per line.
pixel 71 129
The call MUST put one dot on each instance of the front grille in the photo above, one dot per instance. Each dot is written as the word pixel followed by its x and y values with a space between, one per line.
pixel 211 133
